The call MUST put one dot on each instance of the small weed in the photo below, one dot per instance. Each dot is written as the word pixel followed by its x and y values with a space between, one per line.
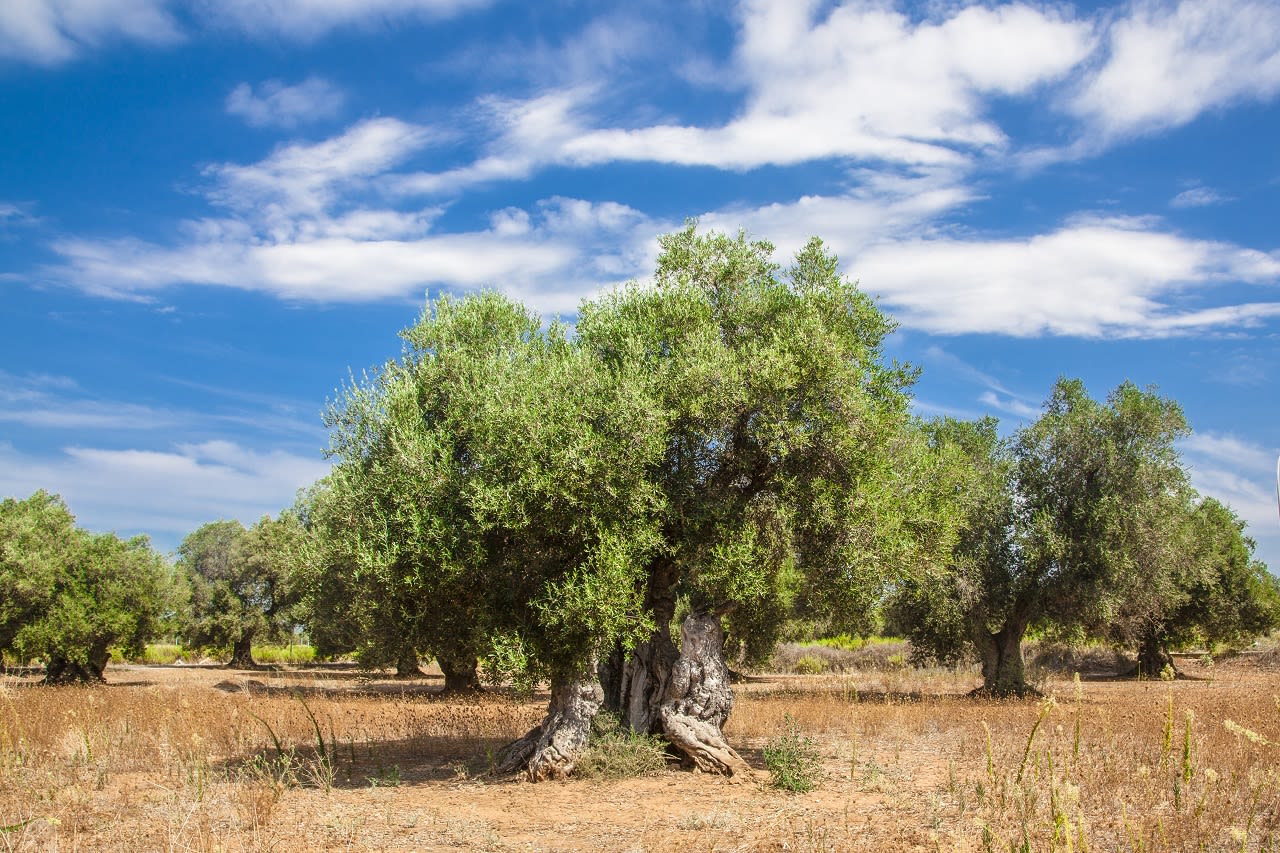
pixel 386 777
pixel 793 760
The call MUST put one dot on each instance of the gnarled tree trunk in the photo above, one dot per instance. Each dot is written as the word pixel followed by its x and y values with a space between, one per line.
pixel 551 749
pixel 242 654
pixel 698 699
pixel 1003 671
pixel 460 674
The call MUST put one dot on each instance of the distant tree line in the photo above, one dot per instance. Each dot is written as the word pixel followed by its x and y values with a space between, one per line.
pixel 622 508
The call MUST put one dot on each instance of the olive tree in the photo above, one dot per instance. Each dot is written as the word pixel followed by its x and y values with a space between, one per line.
pixel 1060 526
pixel 70 596
pixel 1198 583
pixel 239 582
pixel 700 448
pixel 776 409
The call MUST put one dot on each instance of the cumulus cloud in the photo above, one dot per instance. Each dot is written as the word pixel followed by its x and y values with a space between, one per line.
pixel 1168 62
pixel 862 82
pixel 274 104
pixel 49 32
pixel 1110 277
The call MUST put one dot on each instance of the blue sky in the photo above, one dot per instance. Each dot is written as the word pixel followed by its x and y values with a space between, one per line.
pixel 212 210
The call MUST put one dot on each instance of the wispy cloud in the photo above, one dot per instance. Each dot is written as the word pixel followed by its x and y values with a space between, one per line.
pixel 273 104
pixel 309 19
pixel 1198 197
pixel 49 32
pixel 551 256
pixel 1241 474
pixel 1091 278
pixel 55 403
pixel 167 493
pixel 1168 62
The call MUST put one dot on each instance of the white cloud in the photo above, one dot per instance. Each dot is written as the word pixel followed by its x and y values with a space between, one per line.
pixel 310 19
pixel 15 214
pixel 1009 405
pixel 1230 450
pixel 48 32
pixel 1090 279
pixel 276 105
pixel 48 403
pixel 530 133
pixel 551 257
pixel 1197 197
pixel 1169 62
pixel 881 207
pixel 862 83
pixel 307 177
pixel 166 494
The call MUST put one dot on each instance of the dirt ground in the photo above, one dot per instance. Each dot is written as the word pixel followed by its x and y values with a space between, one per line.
pixel 163 759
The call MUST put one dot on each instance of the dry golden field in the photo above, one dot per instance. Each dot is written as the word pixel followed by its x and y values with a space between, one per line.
pixel 193 758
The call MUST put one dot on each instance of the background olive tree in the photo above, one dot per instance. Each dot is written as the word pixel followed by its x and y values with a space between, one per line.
pixel 239 584
pixel 1065 524
pixel 68 596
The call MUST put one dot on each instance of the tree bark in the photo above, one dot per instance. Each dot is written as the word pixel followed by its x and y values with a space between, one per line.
pixel 460 673
pixel 1003 671
pixel 698 700
pixel 551 749
pixel 635 687
pixel 407 665
pixel 242 654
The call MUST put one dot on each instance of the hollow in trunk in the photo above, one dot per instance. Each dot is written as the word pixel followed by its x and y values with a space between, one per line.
pixel 635 685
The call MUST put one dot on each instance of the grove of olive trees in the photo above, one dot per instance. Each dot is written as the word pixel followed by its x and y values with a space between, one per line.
pixel 621 508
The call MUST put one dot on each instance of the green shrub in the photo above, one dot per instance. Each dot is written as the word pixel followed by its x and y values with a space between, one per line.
pixel 793 760
pixel 615 752
pixel 810 665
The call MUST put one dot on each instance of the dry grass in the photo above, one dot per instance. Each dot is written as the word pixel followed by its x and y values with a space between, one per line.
pixel 186 759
